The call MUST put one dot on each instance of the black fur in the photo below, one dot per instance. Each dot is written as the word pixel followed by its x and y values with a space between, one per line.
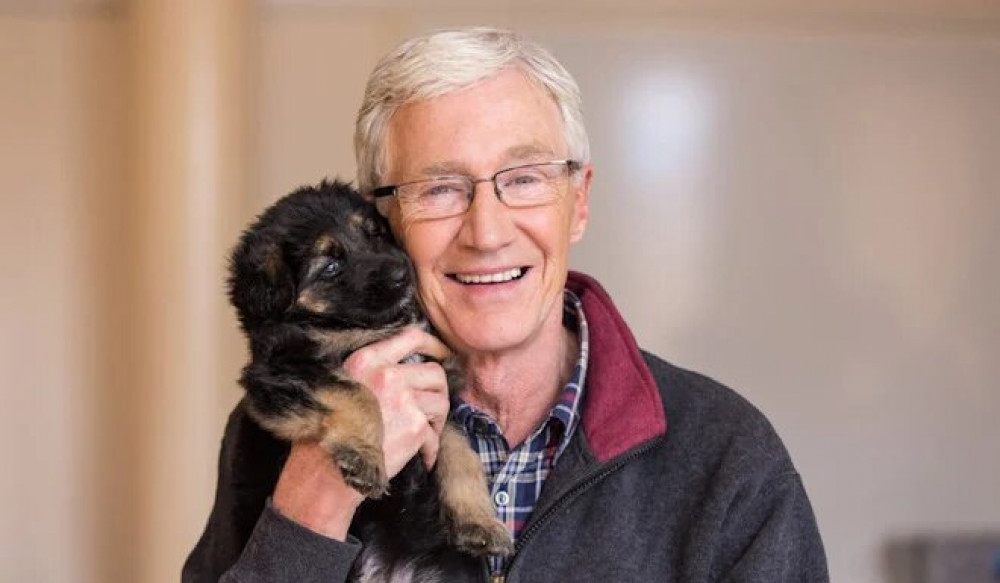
pixel 364 281
pixel 270 267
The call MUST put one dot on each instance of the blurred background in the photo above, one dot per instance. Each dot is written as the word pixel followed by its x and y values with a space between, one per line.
pixel 799 198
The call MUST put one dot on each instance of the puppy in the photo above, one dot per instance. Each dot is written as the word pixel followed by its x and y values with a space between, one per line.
pixel 316 277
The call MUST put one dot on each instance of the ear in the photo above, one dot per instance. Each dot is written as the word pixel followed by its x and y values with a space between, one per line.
pixel 580 212
pixel 261 285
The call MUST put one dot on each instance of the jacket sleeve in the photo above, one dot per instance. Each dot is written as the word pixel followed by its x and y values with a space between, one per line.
pixel 771 536
pixel 246 540
pixel 280 550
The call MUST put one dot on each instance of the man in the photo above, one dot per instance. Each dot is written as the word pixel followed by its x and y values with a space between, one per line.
pixel 606 463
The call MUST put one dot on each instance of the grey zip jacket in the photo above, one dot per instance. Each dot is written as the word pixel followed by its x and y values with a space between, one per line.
pixel 670 477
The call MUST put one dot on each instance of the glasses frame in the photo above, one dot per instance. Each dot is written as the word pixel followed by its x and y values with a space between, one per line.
pixel 382 192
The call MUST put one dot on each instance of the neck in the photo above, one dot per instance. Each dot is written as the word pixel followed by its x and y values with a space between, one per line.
pixel 518 388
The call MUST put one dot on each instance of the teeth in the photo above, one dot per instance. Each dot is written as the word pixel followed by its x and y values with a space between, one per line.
pixel 490 277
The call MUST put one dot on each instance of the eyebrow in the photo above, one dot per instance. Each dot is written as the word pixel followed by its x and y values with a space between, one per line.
pixel 443 169
pixel 528 151
pixel 513 155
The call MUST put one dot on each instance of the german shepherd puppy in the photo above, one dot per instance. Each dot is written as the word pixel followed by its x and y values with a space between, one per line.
pixel 316 277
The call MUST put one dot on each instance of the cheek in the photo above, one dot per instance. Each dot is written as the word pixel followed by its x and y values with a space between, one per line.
pixel 549 231
pixel 424 243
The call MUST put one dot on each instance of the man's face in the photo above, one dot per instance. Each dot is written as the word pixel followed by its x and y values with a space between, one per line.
pixel 495 124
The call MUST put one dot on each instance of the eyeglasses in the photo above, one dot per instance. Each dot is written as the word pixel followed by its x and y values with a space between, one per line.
pixel 447 196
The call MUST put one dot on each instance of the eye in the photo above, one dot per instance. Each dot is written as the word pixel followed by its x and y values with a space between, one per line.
pixel 522 177
pixel 331 269
pixel 439 188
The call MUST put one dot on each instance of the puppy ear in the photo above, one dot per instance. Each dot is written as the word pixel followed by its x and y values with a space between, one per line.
pixel 261 286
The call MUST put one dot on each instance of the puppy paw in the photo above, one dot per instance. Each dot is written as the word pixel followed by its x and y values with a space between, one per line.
pixel 363 469
pixel 481 539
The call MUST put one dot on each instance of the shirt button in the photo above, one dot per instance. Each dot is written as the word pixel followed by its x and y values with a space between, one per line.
pixel 501 498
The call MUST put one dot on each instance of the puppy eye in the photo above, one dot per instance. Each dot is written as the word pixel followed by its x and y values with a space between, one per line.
pixel 331 269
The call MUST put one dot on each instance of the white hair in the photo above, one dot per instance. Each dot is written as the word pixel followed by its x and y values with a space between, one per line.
pixel 443 62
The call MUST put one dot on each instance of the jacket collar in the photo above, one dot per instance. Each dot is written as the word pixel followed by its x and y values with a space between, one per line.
pixel 623 407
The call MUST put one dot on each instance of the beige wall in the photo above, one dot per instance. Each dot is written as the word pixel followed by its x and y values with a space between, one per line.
pixel 798 201
pixel 60 153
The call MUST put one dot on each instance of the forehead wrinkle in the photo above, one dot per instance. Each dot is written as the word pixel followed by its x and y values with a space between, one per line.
pixel 517 143
pixel 512 156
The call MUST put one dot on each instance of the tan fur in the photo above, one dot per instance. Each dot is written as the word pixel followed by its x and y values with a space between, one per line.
pixel 352 432
pixel 465 498
pixel 308 300
pixel 273 265
pixel 340 341
pixel 357 220
pixel 308 425
pixel 354 415
pixel 324 244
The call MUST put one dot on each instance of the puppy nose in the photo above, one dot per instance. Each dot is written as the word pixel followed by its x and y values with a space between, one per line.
pixel 399 275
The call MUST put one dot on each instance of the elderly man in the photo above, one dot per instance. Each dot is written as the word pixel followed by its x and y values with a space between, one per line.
pixel 605 462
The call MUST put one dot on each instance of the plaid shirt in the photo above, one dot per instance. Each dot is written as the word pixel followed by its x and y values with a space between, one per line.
pixel 517 475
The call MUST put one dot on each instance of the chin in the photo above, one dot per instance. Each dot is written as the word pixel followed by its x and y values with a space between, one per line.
pixel 494 334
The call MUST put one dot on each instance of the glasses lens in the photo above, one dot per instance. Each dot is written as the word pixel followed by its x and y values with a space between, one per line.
pixel 528 185
pixel 435 198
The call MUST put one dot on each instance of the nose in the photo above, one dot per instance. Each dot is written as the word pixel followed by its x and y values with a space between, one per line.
pixel 398 275
pixel 488 224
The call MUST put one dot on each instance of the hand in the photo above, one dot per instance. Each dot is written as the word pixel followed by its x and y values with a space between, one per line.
pixel 413 397
pixel 414 402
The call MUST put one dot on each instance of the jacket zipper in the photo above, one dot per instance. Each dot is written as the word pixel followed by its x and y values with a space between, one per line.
pixel 566 498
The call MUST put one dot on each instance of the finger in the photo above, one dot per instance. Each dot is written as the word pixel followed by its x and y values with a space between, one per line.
pixel 420 387
pixel 416 340
pixel 428 386
pixel 428 377
pixel 422 377
pixel 430 447
pixel 412 340
pixel 434 408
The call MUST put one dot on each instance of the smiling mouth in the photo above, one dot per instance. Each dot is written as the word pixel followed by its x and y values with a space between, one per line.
pixel 488 278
